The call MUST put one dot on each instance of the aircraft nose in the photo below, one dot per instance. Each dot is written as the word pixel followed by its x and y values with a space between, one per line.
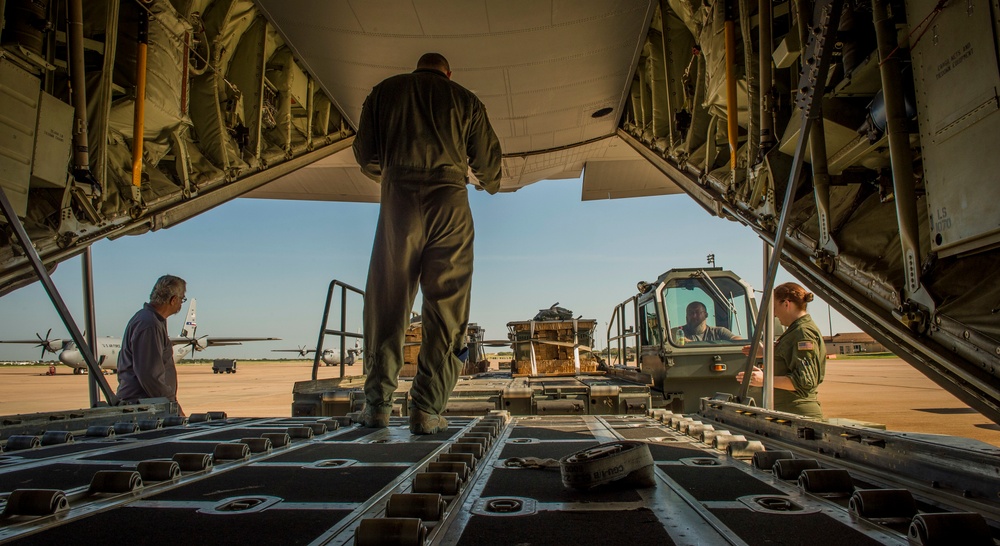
pixel 69 356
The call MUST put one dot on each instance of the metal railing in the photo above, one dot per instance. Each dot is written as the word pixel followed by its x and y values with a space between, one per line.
pixel 341 333
pixel 618 321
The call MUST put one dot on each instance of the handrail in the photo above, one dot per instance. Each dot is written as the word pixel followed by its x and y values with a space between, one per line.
pixel 324 331
pixel 623 332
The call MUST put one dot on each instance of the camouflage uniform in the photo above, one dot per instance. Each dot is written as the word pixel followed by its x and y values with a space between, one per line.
pixel 418 135
pixel 801 356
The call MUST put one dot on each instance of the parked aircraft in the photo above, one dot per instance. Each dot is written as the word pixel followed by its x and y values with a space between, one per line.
pixel 108 347
pixel 330 357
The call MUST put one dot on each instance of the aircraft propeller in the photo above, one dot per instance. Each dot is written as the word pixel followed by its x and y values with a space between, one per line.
pixel 196 343
pixel 50 345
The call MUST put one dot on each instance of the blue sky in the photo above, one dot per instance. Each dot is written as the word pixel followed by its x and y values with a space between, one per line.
pixel 262 267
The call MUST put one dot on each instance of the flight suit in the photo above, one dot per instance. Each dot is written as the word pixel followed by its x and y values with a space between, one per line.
pixel 800 355
pixel 419 135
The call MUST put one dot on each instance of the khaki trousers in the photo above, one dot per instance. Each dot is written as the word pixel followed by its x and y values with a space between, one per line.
pixel 424 237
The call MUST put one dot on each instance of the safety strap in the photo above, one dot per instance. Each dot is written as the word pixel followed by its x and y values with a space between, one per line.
pixel 531 462
pixel 531 338
pixel 605 463
pixel 627 460
pixel 576 347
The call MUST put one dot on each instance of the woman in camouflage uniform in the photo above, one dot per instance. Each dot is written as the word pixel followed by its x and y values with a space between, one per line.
pixel 799 355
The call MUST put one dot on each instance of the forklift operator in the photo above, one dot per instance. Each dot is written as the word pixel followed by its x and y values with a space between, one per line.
pixel 697 328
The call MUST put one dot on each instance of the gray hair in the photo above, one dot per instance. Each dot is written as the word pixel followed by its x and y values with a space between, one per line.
pixel 166 287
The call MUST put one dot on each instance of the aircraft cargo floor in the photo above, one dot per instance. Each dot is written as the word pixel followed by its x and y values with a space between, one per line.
pixel 329 483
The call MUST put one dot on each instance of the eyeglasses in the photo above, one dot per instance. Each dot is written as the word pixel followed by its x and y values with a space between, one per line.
pixel 183 299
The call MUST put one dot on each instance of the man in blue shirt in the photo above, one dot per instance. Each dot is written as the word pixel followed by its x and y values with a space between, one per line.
pixel 146 361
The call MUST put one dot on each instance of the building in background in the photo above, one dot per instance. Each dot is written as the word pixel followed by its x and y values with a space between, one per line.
pixel 851 343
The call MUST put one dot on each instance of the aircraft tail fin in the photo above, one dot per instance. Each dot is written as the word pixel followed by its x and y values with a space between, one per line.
pixel 190 323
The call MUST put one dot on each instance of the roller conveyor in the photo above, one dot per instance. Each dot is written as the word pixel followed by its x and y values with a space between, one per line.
pixel 345 484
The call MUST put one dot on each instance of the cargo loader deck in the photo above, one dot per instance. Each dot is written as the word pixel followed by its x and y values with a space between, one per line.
pixel 557 394
pixel 328 481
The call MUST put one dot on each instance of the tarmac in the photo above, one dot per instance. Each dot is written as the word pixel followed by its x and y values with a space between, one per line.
pixel 886 391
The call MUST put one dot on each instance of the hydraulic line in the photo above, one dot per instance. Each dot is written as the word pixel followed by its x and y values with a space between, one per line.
pixel 752 77
pixel 732 108
pixel 817 152
pixel 140 100
pixel 78 79
pixel 765 31
pixel 899 153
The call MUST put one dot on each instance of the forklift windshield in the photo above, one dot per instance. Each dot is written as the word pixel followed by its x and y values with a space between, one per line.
pixel 708 311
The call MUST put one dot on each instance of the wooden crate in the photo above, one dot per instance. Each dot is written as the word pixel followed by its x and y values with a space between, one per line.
pixel 553 367
pixel 411 349
pixel 472 368
pixel 409 369
pixel 550 358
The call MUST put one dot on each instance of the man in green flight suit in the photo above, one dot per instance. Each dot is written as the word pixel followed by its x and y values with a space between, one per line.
pixel 799 355
pixel 419 135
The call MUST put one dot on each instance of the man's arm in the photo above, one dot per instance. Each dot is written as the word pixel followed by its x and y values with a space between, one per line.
pixel 148 346
pixel 366 143
pixel 725 334
pixel 483 149
pixel 757 380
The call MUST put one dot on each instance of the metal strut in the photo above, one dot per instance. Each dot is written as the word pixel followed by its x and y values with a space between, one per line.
pixel 90 318
pixel 815 64
pixel 918 304
pixel 57 301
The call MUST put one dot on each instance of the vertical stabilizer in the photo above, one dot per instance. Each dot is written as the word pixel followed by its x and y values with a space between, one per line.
pixel 190 323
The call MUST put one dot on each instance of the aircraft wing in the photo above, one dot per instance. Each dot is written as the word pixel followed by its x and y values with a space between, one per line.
pixel 206 341
pixel 50 345
pixel 221 341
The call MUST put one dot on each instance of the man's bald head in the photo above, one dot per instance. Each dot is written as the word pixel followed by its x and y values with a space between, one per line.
pixel 697 306
pixel 434 61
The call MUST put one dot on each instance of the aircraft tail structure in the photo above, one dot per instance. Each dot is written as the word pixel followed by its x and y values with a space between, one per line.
pixel 190 325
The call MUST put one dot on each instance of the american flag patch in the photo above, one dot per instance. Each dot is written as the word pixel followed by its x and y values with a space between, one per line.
pixel 805 346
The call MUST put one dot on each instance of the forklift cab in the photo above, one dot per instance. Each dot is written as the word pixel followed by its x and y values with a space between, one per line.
pixel 695 323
